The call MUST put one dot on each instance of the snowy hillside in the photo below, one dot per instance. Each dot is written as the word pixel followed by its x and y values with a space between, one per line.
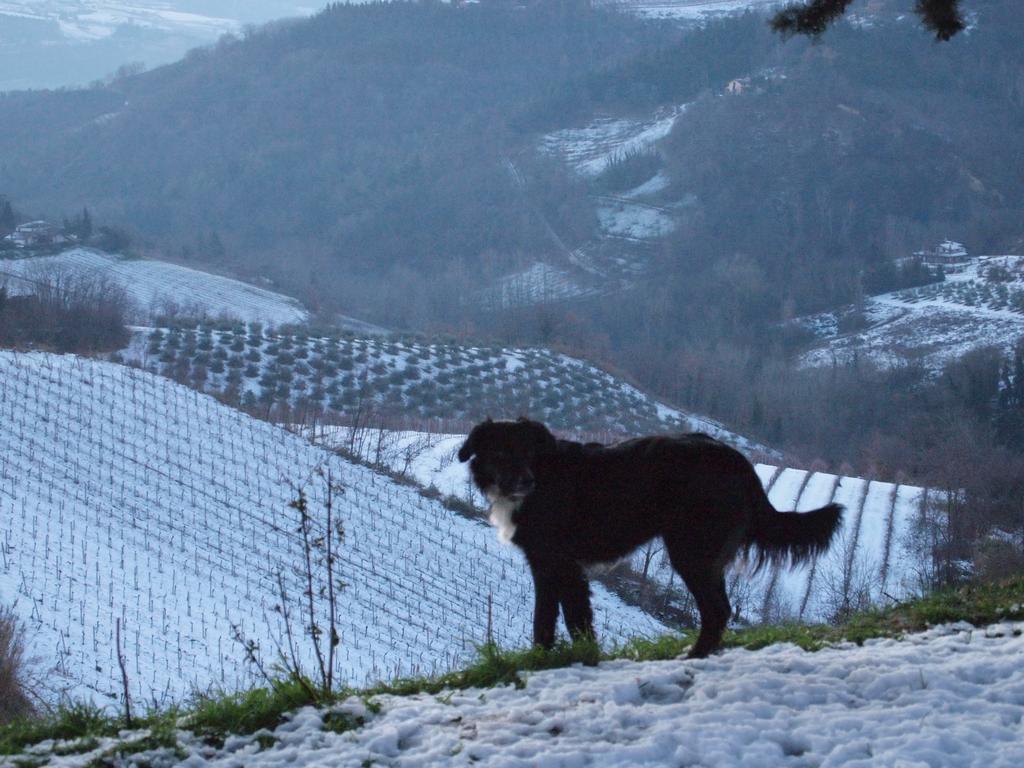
pixel 407 378
pixel 52 43
pixel 125 495
pixel 161 287
pixel 591 148
pixel 979 306
pixel 873 561
pixel 631 220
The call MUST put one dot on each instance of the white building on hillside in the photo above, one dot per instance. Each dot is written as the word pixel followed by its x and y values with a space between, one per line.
pixel 35 233
pixel 946 253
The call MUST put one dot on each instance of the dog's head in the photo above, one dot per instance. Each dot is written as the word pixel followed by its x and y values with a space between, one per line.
pixel 503 454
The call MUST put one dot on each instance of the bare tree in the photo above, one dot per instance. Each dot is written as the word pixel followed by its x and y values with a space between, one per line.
pixel 846 589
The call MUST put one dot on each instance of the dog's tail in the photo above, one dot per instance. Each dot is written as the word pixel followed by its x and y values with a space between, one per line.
pixel 793 536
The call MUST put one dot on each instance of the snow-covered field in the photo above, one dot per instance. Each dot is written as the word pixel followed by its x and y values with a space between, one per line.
pixel 589 149
pixel 126 496
pixel 932 325
pixel 161 287
pixel 627 217
pixel 949 697
pixel 537 284
pixel 873 562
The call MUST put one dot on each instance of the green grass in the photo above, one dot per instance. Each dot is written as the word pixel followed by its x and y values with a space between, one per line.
pixel 215 715
pixel 67 723
pixel 259 711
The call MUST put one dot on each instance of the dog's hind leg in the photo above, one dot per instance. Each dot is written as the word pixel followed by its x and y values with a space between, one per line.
pixel 575 600
pixel 706 582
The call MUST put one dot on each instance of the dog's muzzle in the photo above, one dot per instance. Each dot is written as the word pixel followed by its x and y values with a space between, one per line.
pixel 522 487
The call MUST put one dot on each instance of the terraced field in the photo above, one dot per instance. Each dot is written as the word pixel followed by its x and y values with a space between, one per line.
pixel 348 377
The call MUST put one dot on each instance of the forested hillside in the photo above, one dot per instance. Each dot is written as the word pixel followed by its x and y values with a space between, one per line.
pixel 367 145
pixel 367 139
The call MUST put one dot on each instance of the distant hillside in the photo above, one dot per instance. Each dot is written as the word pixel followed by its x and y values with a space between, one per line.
pixel 60 43
pixel 808 176
pixel 979 305
pixel 365 141
pixel 125 495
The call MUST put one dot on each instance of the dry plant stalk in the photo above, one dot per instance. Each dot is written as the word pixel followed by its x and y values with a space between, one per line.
pixel 15 696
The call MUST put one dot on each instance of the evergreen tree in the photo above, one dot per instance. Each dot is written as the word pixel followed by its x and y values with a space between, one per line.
pixel 85 226
pixel 215 247
pixel 813 17
pixel 8 220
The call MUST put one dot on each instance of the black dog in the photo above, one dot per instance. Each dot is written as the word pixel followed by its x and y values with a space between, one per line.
pixel 568 504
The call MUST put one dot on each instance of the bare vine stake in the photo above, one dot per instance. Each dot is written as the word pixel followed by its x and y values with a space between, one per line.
pixel 490 618
pixel 335 639
pixel 124 675
pixel 305 523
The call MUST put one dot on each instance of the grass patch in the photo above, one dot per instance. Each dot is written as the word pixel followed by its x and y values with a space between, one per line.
pixel 495 666
pixel 215 716
pixel 67 723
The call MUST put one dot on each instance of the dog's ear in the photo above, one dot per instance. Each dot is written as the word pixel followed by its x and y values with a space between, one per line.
pixel 469 447
pixel 545 441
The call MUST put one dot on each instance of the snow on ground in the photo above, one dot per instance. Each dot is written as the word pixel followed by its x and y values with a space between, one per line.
pixel 691 10
pixel 657 183
pixel 952 696
pixel 126 496
pixel 589 150
pixel 537 284
pixel 161 287
pixel 624 217
pixel 931 325
pixel 86 20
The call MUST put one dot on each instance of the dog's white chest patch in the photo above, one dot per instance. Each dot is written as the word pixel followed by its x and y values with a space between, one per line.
pixel 502 510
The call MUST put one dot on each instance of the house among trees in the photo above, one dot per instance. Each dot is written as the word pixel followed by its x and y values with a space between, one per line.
pixel 948 253
pixel 738 86
pixel 36 233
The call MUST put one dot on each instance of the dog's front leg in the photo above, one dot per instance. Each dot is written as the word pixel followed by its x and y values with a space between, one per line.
pixel 574 595
pixel 545 606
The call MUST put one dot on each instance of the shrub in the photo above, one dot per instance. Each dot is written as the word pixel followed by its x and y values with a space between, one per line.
pixel 15 688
